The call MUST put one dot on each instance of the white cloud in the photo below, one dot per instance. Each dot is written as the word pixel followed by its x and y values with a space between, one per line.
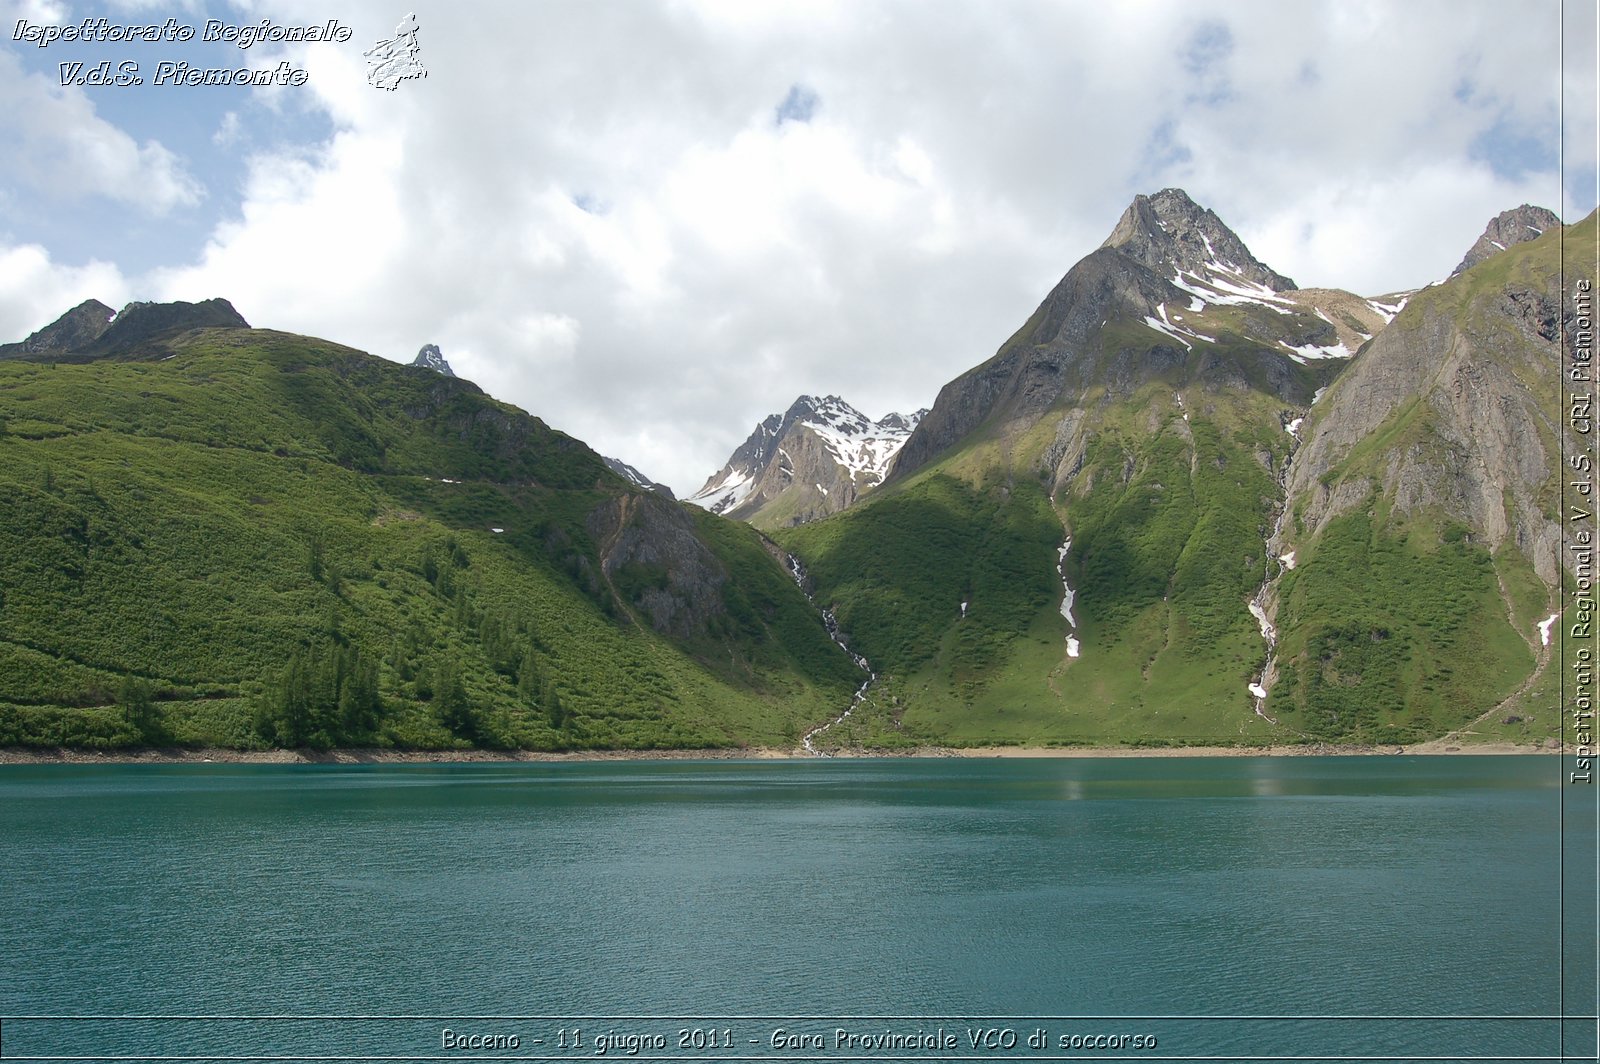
pixel 38 291
pixel 228 130
pixel 594 210
pixel 57 146
pixel 38 12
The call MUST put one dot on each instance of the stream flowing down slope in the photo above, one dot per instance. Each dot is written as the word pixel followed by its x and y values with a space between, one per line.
pixel 798 571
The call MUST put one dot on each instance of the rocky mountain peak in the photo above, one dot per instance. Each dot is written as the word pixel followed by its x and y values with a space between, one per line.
pixel 830 411
pixel 1169 232
pixel 91 331
pixel 816 457
pixel 1516 226
pixel 430 357
pixel 140 321
pixel 77 328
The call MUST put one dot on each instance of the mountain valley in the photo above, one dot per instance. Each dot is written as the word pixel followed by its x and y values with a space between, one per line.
pixel 1186 502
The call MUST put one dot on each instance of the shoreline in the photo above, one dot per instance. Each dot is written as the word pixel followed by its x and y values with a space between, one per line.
pixel 184 756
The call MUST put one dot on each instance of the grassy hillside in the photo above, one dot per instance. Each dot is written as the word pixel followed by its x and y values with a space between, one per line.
pixel 1413 612
pixel 1395 636
pixel 266 539
pixel 1168 518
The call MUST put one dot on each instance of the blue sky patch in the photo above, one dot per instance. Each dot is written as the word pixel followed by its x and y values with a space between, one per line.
pixel 799 106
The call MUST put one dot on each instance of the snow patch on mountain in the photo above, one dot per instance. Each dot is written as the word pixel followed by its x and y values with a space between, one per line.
pixel 863 447
pixel 729 490
pixel 1313 351
pixel 1223 285
pixel 1175 327
pixel 1388 310
pixel 1068 597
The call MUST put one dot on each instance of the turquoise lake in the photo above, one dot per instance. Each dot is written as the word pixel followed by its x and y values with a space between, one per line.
pixel 1230 908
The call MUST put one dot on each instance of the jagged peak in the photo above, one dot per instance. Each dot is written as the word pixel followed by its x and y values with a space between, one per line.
pixel 1506 229
pixel 1169 232
pixel 905 422
pixel 860 446
pixel 430 357
pixel 829 411
pixel 74 330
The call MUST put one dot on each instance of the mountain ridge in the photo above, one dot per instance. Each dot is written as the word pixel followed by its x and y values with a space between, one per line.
pixel 1185 502
pixel 1168 409
pixel 1169 266
pixel 264 539
pixel 138 331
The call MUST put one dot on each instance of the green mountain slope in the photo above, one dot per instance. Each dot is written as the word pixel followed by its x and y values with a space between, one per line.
pixel 1151 412
pixel 1434 468
pixel 263 538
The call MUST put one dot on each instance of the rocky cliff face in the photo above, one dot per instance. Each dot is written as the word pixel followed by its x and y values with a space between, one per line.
pixel 1469 367
pixel 815 459
pixel 1435 465
pixel 1466 372
pixel 655 562
pixel 1508 229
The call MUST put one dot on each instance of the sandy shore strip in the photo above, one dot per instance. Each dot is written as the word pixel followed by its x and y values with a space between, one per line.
pixel 180 755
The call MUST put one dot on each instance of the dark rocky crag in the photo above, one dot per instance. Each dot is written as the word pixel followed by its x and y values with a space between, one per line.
pixel 677 581
pixel 73 331
pixel 1170 231
pixel 137 332
pixel 430 357
pixel 1507 229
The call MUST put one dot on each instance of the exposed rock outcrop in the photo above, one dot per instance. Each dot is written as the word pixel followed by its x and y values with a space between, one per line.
pixel 1463 368
pixel 430 357
pixel 1170 230
pixel 1507 229
pixel 73 331
pixel 89 332
pixel 657 564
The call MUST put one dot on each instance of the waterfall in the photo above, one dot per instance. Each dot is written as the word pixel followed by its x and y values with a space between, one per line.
pixel 1260 685
pixel 831 623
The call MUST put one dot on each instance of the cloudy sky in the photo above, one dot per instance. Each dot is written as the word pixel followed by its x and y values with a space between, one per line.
pixel 654 222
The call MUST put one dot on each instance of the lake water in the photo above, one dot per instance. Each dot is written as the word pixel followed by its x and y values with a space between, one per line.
pixel 1315 908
